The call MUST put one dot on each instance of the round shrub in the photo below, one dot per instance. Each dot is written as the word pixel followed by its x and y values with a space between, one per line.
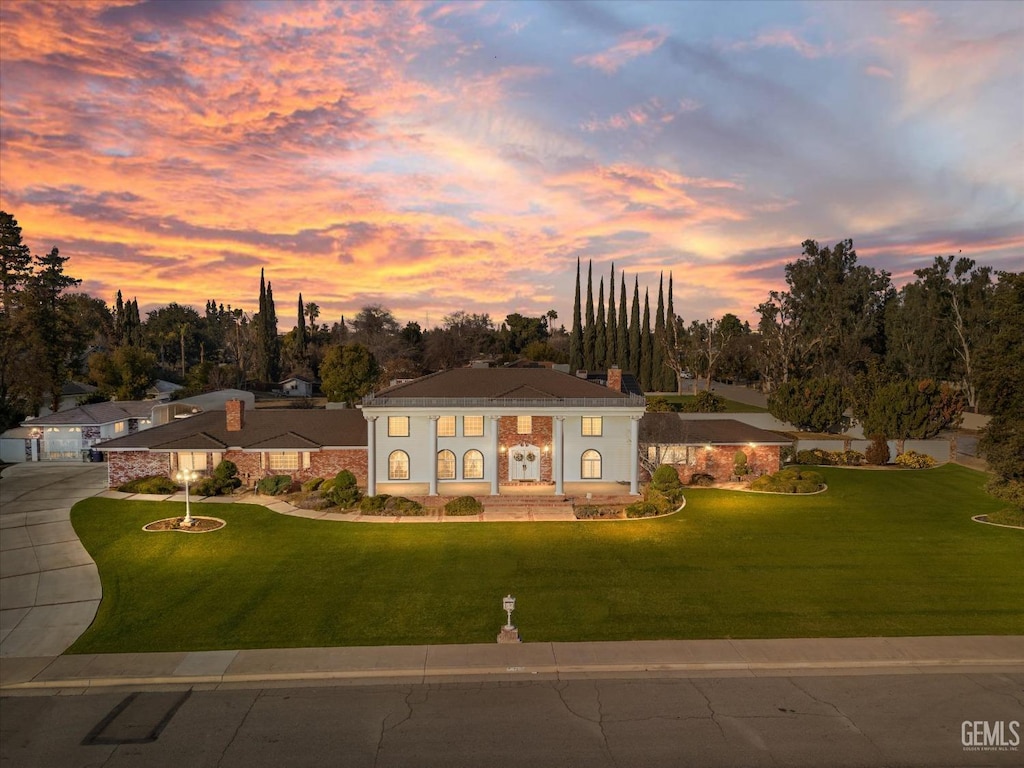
pixel 702 479
pixel 373 505
pixel 665 476
pixel 399 505
pixel 274 485
pixel 463 505
pixel 848 458
pixel 312 484
pixel 915 460
pixel 152 484
pixel 342 489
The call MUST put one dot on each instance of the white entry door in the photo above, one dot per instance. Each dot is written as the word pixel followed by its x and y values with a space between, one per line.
pixel 524 462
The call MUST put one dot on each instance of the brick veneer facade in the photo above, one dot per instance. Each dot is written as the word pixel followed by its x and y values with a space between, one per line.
pixel 123 466
pixel 541 436
pixel 129 465
pixel 719 461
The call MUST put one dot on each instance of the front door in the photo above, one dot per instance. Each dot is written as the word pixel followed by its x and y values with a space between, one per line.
pixel 524 462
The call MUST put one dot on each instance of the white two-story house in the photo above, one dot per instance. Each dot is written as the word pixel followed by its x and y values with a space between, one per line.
pixel 502 427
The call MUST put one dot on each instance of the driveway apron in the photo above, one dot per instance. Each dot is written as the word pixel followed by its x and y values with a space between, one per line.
pixel 49 586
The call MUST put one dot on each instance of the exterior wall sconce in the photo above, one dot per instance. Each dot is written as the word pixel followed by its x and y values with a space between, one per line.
pixel 502 449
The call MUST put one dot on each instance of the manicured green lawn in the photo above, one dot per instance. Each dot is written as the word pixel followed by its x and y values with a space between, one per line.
pixel 731 406
pixel 880 553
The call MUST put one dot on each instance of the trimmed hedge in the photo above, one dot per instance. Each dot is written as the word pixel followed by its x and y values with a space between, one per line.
pixel 151 484
pixel 463 506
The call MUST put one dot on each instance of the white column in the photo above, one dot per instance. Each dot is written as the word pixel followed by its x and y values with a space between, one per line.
pixel 371 455
pixel 433 456
pixel 634 458
pixel 558 455
pixel 494 454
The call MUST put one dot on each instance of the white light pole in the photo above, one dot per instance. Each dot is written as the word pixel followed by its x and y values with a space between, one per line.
pixel 187 476
pixel 508 634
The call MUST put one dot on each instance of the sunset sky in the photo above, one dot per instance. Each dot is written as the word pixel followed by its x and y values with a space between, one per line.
pixel 435 157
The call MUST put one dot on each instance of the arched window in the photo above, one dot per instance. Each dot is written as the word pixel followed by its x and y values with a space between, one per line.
pixel 445 465
pixel 591 467
pixel 473 465
pixel 398 465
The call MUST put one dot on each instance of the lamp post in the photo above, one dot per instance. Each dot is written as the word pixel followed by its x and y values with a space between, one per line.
pixel 508 634
pixel 187 476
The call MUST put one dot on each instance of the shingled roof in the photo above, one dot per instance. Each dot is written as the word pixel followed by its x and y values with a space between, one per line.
pixel 265 429
pixel 96 413
pixel 673 429
pixel 499 386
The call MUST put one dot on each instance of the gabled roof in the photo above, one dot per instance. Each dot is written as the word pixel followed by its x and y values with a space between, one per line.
pixel 673 429
pixel 95 414
pixel 500 387
pixel 266 429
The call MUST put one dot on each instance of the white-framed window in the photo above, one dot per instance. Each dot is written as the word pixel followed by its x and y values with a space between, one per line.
pixel 473 465
pixel 524 425
pixel 445 465
pixel 590 468
pixel 592 426
pixel 398 465
pixel 446 426
pixel 287 460
pixel 119 427
pixel 472 426
pixel 192 460
pixel 398 426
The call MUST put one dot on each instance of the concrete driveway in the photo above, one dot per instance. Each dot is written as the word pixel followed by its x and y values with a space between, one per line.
pixel 49 586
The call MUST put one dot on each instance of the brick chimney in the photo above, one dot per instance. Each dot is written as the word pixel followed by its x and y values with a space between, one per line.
pixel 235 414
pixel 615 378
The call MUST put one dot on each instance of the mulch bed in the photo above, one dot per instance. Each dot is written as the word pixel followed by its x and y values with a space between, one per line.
pixel 199 525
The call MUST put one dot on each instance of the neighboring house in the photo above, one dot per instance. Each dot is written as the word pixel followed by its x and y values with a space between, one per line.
pixel 70 393
pixel 208 401
pixel 69 435
pixel 162 390
pixel 502 426
pixel 298 386
pixel 300 443
pixel 708 446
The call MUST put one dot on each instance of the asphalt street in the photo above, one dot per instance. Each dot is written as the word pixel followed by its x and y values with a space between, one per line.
pixel 814 720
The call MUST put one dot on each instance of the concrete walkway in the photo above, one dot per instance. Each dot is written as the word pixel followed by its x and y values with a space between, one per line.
pixel 205 670
pixel 49 586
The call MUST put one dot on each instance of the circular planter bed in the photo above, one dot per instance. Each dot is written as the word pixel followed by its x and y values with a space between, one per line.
pixel 199 525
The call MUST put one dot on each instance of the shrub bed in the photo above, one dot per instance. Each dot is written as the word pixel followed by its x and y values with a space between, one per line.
pixel 791 480
pixel 222 482
pixel 151 484
pixel 463 506
pixel 384 504
pixel 274 485
pixel 594 512
pixel 915 460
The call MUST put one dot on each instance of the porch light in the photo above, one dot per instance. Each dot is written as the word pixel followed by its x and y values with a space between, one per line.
pixel 547 448
pixel 502 449
pixel 707 447
pixel 186 476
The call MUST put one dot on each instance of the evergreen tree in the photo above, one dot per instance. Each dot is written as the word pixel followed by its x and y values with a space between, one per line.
pixel 50 323
pixel 272 341
pixel 611 329
pixel 646 348
pixel 622 328
pixel 300 332
pixel 589 331
pixel 15 262
pixel 634 330
pixel 600 332
pixel 658 368
pixel 15 348
pixel 669 341
pixel 576 335
pixel 118 339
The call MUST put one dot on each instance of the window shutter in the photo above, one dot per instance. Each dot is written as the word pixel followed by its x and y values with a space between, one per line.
pixel 305 460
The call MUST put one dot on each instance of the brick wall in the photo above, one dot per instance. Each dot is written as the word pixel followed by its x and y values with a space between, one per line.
pixel 719 461
pixel 129 465
pixel 543 427
pixel 329 463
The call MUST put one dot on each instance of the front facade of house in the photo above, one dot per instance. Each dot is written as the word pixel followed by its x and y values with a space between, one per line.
pixel 502 427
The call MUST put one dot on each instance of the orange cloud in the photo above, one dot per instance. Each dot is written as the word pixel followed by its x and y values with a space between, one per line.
pixel 630 46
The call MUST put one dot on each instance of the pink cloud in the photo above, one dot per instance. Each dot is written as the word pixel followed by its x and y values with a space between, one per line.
pixel 630 46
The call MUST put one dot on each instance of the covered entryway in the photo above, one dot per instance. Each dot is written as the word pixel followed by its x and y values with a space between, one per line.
pixel 524 463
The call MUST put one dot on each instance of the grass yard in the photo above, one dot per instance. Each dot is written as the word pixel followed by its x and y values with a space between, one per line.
pixel 880 553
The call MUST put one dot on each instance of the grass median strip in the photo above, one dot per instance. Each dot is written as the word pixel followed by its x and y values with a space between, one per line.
pixel 880 553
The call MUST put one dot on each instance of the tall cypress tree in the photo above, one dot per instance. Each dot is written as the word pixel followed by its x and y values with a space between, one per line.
pixel 260 328
pixel 273 343
pixel 300 332
pixel 600 332
pixel 671 384
pixel 622 328
pixel 646 348
pixel 589 335
pixel 576 335
pixel 634 330
pixel 611 329
pixel 658 367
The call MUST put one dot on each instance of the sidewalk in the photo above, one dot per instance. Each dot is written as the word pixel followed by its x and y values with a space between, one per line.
pixel 208 670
